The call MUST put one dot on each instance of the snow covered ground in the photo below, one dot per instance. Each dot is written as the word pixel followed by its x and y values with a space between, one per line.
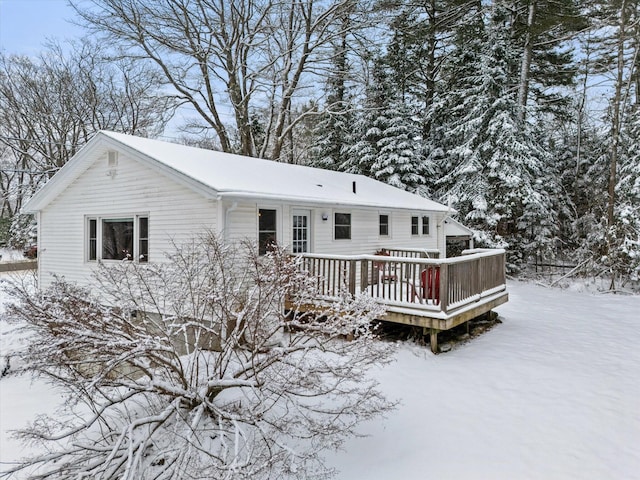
pixel 551 393
pixel 11 255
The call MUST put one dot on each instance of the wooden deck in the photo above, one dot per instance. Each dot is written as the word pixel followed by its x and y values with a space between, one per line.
pixel 17 265
pixel 435 294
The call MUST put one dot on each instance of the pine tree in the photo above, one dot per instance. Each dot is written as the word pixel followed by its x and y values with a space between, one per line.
pixel 399 161
pixel 421 40
pixel 495 158
pixel 331 138
pixel 389 145
pixel 542 32
pixel 368 126
pixel 626 257
pixel 617 59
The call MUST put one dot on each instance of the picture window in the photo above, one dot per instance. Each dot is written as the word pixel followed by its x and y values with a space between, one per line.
pixel 122 238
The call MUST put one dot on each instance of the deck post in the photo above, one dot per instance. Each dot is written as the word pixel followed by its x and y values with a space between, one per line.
pixel 479 283
pixel 364 275
pixel 352 276
pixel 444 287
pixel 433 340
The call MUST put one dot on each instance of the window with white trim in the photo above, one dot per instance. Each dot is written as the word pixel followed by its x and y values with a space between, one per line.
pixel 92 251
pixel 415 224
pixel 143 239
pixel 266 229
pixel 342 226
pixel 383 222
pixel 425 225
pixel 118 238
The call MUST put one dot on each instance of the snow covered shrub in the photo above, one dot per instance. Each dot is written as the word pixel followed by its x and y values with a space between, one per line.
pixel 191 369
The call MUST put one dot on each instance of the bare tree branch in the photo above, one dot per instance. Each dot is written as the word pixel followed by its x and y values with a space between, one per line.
pixel 192 367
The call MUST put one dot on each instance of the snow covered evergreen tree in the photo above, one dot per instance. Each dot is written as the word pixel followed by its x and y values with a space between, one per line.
pixel 579 173
pixel 332 132
pixel 389 148
pixel 23 231
pixel 368 126
pixel 495 159
pixel 399 161
pixel 331 138
pixel 626 256
pixel 449 106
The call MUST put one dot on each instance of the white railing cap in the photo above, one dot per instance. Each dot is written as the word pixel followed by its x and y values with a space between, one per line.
pixel 475 253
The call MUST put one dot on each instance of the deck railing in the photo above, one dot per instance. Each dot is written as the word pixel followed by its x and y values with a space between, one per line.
pixel 439 285
pixel 412 252
pixel 333 274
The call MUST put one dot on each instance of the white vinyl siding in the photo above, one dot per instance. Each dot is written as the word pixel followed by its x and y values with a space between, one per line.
pixel 176 214
pixel 365 237
pixel 365 228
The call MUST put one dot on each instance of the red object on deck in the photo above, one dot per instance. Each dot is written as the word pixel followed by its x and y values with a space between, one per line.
pixel 385 270
pixel 430 280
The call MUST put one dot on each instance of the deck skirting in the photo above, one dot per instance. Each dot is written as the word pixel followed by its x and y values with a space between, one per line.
pixel 444 321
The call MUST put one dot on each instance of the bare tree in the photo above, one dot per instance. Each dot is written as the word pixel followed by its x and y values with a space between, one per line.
pixel 51 105
pixel 195 371
pixel 234 57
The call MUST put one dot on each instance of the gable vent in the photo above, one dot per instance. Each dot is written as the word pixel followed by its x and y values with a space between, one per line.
pixel 112 159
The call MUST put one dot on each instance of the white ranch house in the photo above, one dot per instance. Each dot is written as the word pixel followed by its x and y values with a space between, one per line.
pixel 125 197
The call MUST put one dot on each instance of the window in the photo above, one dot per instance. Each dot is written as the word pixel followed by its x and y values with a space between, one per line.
pixel 425 225
pixel 414 225
pixel 93 239
pixel 342 226
pixel 266 229
pixel 143 239
pixel 118 238
pixel 301 231
pixel 384 225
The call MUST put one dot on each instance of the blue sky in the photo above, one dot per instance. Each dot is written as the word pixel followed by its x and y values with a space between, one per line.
pixel 26 24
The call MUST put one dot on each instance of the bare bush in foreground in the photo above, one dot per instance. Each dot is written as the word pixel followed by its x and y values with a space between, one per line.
pixel 190 369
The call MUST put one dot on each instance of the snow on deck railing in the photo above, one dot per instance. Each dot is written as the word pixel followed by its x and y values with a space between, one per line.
pixel 411 252
pixel 426 261
pixel 424 283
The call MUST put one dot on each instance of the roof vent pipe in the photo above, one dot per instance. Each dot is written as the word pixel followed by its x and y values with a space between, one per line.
pixel 354 186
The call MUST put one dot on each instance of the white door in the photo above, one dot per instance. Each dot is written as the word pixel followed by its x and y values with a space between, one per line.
pixel 301 235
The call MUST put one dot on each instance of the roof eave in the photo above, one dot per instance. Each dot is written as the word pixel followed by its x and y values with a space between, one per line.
pixel 323 201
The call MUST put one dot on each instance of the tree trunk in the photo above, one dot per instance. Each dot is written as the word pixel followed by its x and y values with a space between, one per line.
pixel 525 67
pixel 615 133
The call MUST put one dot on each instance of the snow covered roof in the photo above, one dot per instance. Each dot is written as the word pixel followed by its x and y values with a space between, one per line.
pixel 453 228
pixel 228 175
